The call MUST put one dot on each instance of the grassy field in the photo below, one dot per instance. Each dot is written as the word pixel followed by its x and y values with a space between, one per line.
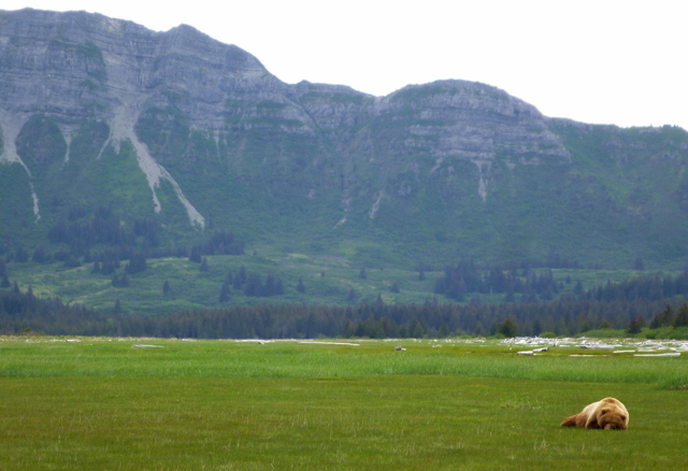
pixel 151 404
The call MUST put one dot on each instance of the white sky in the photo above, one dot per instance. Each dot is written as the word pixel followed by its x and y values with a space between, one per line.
pixel 600 61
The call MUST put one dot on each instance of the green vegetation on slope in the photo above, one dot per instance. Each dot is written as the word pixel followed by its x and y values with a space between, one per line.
pixel 296 188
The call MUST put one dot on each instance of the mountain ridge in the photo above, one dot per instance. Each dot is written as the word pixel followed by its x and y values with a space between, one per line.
pixel 462 167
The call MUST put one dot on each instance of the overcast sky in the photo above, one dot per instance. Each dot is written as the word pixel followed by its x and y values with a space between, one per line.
pixel 600 61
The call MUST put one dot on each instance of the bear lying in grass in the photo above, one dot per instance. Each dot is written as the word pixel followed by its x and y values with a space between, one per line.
pixel 607 414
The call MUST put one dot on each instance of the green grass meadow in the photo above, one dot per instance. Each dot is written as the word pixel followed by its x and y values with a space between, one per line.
pixel 155 404
pixel 327 281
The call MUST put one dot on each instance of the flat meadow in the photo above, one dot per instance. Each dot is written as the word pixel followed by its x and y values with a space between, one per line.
pixel 164 404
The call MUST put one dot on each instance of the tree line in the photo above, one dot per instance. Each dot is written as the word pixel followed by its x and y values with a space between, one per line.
pixel 251 284
pixel 22 310
pixel 102 238
pixel 652 287
pixel 465 277
pixel 524 285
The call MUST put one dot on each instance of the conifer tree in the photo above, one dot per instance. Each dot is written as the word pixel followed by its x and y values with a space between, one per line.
pixel 225 292
pixel 120 282
pixel 195 254
pixel 241 276
pixel 254 285
pixel 636 324
pixel 300 287
pixel 682 317
pixel 664 318
pixel 508 328
pixel 578 289
pixel 137 263
pixel 351 296
pixel 510 297
pixel 271 287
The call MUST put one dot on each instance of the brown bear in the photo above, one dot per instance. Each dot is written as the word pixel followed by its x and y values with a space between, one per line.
pixel 607 414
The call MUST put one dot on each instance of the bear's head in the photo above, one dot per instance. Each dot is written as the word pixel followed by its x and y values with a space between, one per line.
pixel 612 418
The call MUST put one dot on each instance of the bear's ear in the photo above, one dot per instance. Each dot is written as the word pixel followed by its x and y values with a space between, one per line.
pixel 623 417
pixel 604 411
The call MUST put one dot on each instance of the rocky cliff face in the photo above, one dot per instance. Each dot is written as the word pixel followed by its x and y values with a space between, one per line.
pixel 215 135
pixel 73 67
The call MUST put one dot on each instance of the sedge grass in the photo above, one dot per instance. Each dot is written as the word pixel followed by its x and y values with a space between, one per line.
pixel 117 358
pixel 100 404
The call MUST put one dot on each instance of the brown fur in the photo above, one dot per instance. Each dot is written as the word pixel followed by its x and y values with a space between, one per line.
pixel 607 414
